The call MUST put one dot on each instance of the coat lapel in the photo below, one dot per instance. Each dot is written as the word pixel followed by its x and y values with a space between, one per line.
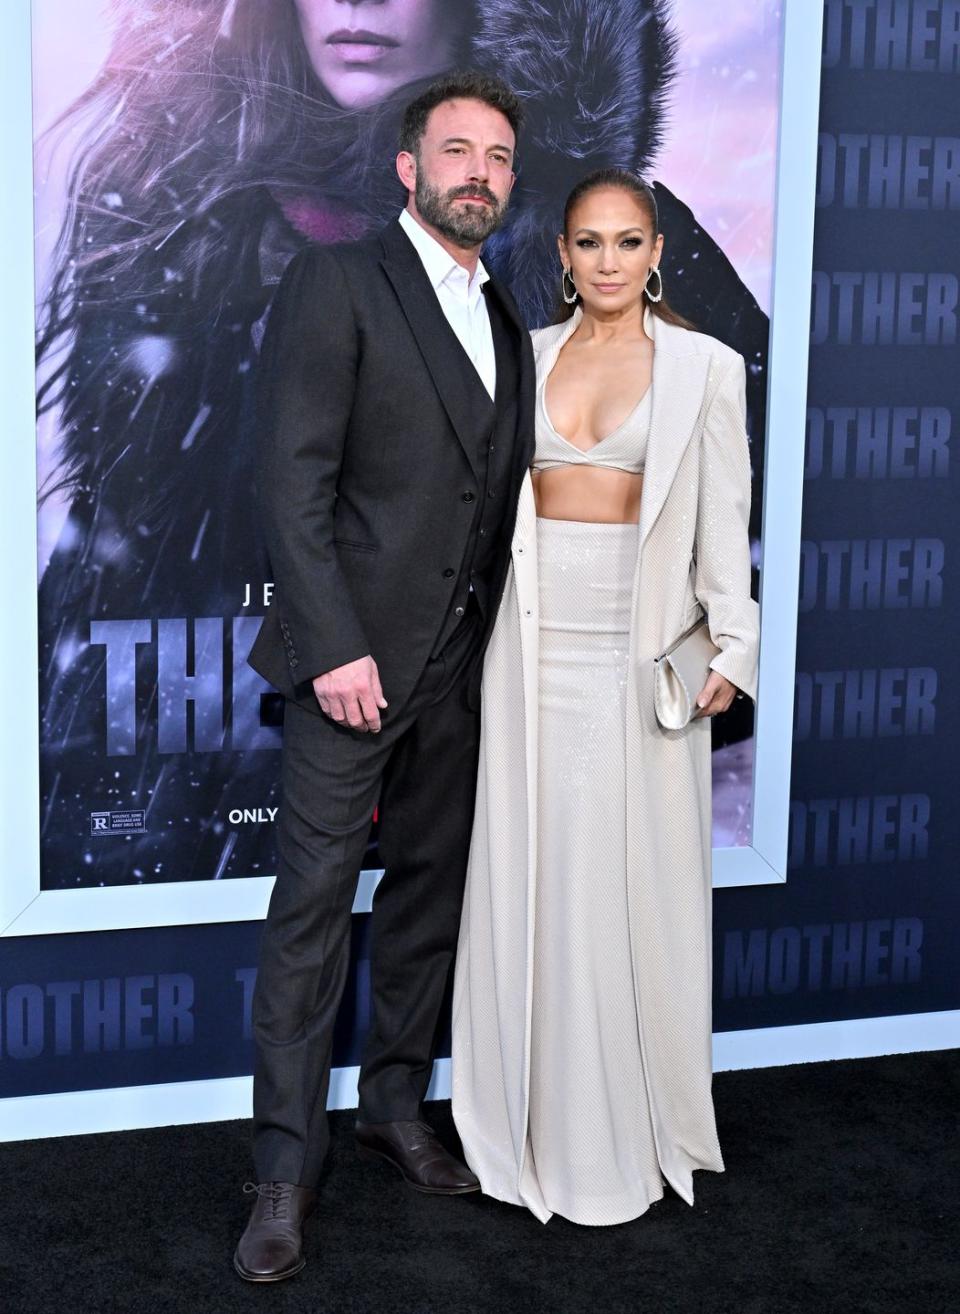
pixel 550 348
pixel 441 351
pixel 679 385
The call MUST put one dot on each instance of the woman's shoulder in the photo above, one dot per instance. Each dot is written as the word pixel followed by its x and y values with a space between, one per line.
pixel 542 338
pixel 694 343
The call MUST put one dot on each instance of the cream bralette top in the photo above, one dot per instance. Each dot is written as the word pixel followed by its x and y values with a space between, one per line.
pixel 625 448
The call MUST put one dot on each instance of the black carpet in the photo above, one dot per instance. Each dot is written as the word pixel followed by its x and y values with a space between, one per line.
pixel 842 1193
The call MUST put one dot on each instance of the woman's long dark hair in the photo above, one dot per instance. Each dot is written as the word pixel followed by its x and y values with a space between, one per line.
pixel 201 108
pixel 644 194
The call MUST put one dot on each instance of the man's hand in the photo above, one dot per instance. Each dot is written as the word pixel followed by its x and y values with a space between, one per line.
pixel 351 695
pixel 716 695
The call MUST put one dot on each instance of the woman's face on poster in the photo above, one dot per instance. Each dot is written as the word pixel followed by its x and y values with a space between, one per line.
pixel 362 50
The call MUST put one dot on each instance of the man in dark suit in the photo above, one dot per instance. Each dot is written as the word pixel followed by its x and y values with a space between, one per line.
pixel 395 429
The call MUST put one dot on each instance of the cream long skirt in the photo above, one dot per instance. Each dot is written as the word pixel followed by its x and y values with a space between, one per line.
pixel 591 1143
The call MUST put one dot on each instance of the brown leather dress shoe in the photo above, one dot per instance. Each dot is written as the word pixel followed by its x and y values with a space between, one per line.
pixel 271 1248
pixel 415 1151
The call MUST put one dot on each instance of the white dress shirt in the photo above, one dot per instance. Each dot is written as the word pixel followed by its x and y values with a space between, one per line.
pixel 461 299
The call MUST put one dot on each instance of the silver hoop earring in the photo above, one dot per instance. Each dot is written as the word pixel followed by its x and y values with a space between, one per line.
pixel 654 270
pixel 564 277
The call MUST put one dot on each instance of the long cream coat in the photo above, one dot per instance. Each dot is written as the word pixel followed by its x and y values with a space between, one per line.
pixel 693 553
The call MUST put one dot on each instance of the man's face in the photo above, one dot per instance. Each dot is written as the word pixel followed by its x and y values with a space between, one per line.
pixel 362 50
pixel 464 171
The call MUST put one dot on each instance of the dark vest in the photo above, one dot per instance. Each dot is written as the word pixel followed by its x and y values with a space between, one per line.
pixel 489 490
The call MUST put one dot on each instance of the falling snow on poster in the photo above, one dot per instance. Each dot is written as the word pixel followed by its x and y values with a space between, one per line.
pixel 184 153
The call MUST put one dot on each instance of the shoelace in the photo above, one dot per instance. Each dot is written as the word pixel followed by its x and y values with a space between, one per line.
pixel 276 1194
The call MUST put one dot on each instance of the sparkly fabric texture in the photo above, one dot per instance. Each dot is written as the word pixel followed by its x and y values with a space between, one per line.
pixel 582 1010
pixel 624 448
pixel 591 1138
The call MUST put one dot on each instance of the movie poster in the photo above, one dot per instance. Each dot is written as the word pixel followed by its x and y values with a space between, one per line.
pixel 185 151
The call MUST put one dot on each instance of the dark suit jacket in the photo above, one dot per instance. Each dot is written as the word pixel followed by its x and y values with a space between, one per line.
pixel 367 446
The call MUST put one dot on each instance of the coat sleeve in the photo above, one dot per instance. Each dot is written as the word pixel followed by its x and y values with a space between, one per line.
pixel 308 380
pixel 722 542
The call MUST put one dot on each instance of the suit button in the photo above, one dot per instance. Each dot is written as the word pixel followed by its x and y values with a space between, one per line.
pixel 449 573
pixel 467 496
pixel 458 611
pixel 492 493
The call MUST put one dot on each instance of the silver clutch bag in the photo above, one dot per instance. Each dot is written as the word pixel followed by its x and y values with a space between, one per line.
pixel 680 673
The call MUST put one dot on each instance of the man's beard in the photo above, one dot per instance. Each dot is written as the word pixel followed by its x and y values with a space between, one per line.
pixel 464 225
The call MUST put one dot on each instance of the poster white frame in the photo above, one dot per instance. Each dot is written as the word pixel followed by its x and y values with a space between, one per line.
pixel 26 909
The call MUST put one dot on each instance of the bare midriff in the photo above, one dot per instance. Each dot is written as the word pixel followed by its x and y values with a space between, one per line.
pixel 591 494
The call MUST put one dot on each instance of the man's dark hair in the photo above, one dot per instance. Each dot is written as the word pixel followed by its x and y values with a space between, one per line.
pixel 466 85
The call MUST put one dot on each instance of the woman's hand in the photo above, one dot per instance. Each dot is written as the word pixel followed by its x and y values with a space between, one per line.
pixel 715 696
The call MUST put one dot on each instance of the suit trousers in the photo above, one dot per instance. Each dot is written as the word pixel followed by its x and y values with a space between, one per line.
pixel 422 768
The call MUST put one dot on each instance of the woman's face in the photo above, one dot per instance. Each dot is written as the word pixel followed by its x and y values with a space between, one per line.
pixel 362 50
pixel 610 249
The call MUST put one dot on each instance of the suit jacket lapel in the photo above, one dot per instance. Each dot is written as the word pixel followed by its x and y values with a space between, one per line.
pixel 439 346
pixel 679 385
pixel 506 303
pixel 518 339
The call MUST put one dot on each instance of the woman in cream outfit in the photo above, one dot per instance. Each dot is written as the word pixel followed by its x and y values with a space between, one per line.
pixel 581 1036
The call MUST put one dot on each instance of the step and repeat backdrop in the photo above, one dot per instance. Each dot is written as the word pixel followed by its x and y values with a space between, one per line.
pixel 867 922
pixel 184 152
